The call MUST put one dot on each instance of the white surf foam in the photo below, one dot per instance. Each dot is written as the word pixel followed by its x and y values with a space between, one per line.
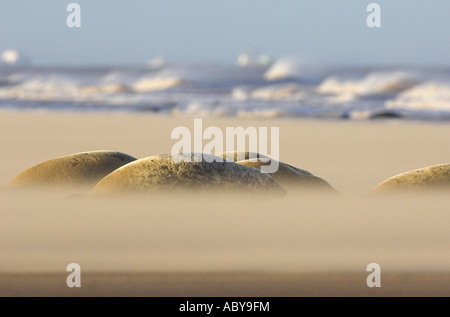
pixel 375 83
pixel 148 84
pixel 428 96
pixel 40 88
pixel 284 68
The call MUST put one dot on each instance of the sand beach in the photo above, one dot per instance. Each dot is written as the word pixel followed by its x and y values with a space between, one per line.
pixel 305 243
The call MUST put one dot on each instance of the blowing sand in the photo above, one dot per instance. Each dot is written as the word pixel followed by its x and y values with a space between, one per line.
pixel 226 245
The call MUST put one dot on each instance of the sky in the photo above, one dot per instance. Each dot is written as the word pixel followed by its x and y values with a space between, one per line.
pixel 115 32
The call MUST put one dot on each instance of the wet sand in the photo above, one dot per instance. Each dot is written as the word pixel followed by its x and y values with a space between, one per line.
pixel 243 284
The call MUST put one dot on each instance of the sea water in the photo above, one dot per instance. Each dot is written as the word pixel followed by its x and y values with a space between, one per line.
pixel 281 89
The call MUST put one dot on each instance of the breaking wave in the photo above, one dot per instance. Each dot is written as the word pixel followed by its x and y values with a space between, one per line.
pixel 375 83
pixel 427 96
pixel 284 68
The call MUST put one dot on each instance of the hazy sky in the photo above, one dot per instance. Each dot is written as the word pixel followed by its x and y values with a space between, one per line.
pixel 132 32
